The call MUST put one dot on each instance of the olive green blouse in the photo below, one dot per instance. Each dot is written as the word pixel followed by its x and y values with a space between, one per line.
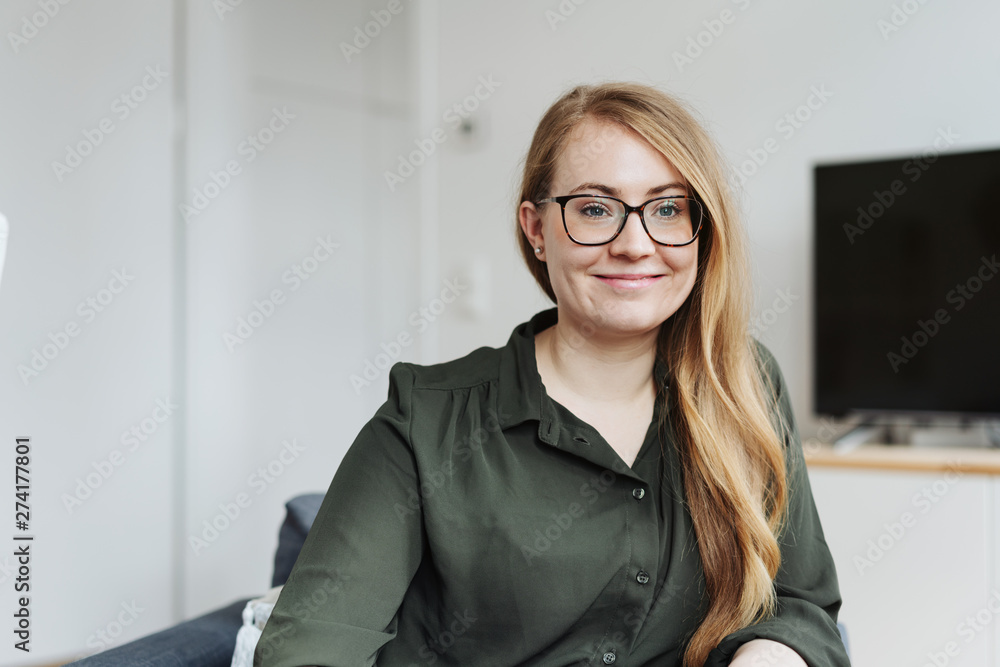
pixel 476 522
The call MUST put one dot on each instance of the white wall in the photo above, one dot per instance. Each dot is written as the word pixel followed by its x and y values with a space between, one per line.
pixel 112 212
pixel 319 177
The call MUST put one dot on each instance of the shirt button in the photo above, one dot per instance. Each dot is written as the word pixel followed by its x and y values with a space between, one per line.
pixel 609 658
pixel 638 493
pixel 642 577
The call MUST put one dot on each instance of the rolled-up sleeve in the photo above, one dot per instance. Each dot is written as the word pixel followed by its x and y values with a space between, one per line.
pixel 339 605
pixel 808 594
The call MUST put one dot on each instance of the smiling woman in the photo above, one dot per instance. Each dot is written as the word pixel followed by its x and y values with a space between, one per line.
pixel 682 302
pixel 623 481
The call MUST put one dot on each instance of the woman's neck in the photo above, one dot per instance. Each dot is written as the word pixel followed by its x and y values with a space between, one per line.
pixel 595 368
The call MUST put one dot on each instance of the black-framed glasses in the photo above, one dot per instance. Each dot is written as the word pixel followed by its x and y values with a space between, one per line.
pixel 599 219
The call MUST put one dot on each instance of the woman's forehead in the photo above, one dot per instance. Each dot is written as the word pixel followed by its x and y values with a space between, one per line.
pixel 603 151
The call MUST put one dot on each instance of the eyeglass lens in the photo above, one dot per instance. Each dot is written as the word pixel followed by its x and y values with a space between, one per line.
pixel 671 220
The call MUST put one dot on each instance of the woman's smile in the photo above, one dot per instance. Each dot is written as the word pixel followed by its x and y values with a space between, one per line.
pixel 629 281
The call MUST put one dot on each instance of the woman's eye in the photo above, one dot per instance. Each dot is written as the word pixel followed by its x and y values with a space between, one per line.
pixel 667 210
pixel 594 211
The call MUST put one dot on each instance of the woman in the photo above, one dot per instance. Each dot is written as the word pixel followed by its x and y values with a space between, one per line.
pixel 621 483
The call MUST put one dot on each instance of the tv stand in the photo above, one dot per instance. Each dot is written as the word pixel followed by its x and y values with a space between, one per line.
pixel 867 432
pixel 920 433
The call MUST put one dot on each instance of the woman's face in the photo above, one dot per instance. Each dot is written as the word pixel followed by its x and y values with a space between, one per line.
pixel 632 284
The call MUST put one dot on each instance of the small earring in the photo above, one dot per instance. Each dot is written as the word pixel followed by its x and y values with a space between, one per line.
pixel 537 250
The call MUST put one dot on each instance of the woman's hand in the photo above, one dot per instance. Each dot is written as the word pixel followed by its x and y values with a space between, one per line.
pixel 766 653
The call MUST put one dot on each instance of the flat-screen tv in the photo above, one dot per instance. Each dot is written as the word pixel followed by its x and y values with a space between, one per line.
pixel 906 280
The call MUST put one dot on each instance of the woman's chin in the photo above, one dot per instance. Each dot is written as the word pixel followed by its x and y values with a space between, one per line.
pixel 622 322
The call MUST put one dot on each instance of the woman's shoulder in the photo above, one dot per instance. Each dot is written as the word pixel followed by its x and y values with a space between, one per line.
pixel 764 355
pixel 480 366
pixel 768 365
pixel 429 403
pixel 774 381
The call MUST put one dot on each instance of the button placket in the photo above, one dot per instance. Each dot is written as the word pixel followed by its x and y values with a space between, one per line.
pixel 640 591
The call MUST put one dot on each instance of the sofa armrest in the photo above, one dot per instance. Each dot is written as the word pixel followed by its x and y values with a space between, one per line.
pixel 300 513
pixel 205 641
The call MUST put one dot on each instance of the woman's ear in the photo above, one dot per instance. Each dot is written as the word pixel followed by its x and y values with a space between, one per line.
pixel 531 224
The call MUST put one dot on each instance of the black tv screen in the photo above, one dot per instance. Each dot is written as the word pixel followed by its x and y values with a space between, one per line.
pixel 907 285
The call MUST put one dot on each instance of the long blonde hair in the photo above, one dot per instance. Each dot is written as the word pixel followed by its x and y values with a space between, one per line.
pixel 723 411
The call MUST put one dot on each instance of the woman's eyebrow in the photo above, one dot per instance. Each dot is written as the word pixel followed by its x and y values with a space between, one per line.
pixel 605 189
pixel 669 186
pixel 615 192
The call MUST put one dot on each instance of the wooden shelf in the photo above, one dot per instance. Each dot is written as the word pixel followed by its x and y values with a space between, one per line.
pixel 980 461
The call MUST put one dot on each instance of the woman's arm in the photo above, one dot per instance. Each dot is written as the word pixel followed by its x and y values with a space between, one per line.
pixel 766 653
pixel 339 605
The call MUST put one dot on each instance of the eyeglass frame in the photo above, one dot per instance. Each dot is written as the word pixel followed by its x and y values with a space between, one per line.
pixel 629 209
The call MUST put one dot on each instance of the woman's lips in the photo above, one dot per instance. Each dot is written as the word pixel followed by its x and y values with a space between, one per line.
pixel 629 281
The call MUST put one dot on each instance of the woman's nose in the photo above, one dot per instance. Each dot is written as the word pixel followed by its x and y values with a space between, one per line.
pixel 633 239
